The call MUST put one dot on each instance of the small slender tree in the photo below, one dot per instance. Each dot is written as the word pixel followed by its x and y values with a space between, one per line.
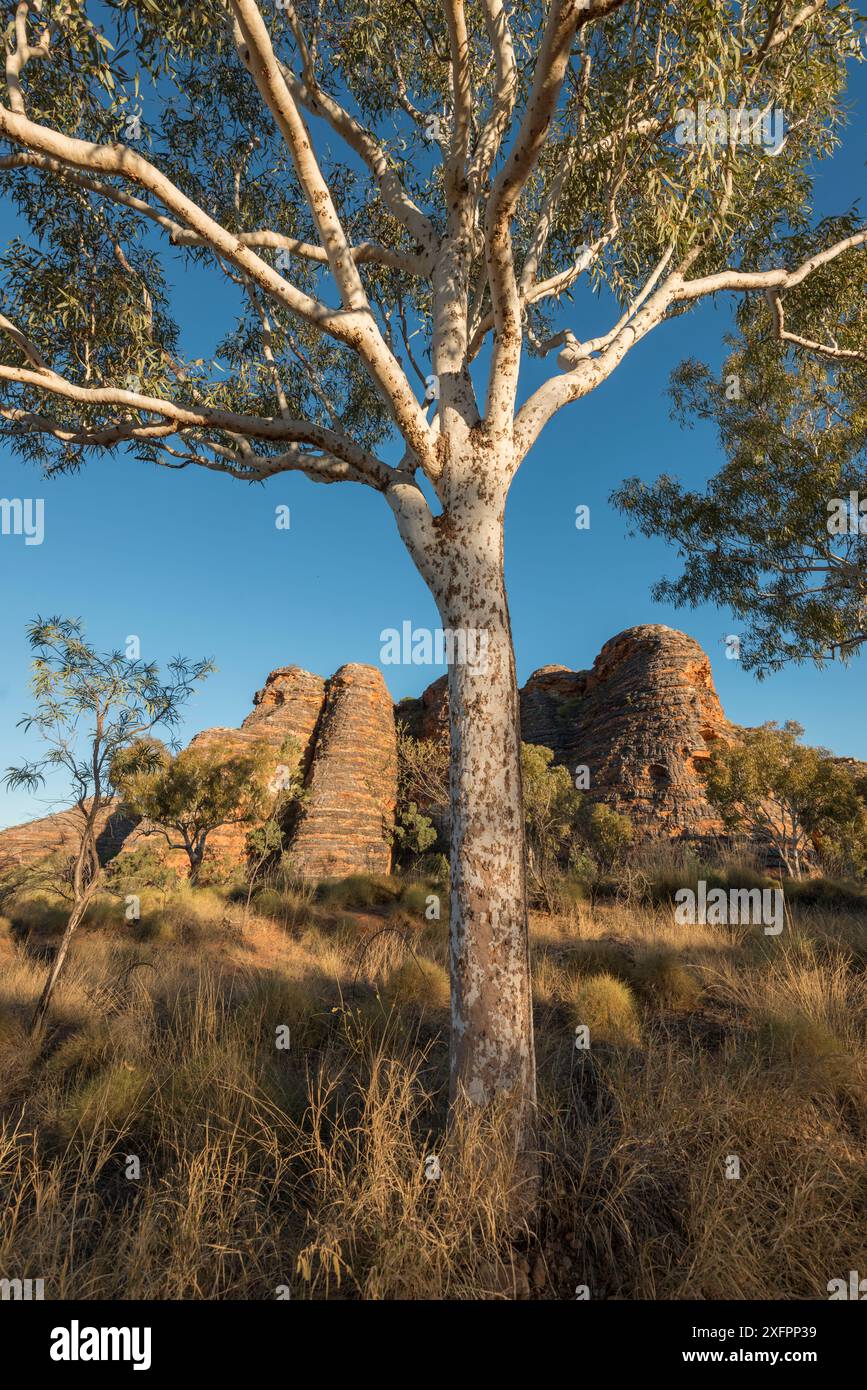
pixel 771 787
pixel 90 707
pixel 185 797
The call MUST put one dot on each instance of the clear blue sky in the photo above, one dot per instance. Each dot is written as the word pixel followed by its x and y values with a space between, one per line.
pixel 192 561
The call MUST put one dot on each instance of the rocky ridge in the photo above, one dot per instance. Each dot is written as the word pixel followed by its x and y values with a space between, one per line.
pixel 640 720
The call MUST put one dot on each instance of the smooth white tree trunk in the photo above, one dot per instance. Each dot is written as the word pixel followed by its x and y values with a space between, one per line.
pixel 492 1053
pixel 492 1022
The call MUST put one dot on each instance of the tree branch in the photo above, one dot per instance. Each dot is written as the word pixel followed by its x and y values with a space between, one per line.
pixel 120 160
pixel 831 350
pixel 565 17
pixel 18 58
pixel 778 278
pixel 354 327
pixel 211 418
pixel 500 39
pixel 455 171
pixel 586 372
pixel 254 46
pixel 313 97
pixel 366 252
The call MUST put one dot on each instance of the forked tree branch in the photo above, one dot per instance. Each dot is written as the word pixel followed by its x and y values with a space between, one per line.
pixel 120 160
pixel 831 350
pixel 356 328
pixel 565 17
pixel 586 371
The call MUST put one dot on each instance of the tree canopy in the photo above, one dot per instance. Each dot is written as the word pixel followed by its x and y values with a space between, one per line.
pixel 452 173
pixel 197 791
pixel 770 786
pixel 779 534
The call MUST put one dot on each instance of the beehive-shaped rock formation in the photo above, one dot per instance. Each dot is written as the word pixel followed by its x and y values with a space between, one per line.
pixel 288 706
pixel 641 721
pixel 346 820
pixel 343 732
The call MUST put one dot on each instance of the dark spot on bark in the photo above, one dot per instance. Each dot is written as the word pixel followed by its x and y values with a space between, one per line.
pixel 445 525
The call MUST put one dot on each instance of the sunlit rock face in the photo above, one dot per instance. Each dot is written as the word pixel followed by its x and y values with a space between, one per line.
pixel 346 819
pixel 343 735
pixel 640 721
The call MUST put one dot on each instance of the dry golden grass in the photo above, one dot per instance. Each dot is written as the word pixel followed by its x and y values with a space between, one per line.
pixel 313 1167
pixel 606 1007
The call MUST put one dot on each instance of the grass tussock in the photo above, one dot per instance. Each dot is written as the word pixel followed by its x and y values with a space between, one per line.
pixel 606 1007
pixel 234 1098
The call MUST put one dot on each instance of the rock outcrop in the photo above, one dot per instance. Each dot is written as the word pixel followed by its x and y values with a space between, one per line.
pixel 343 736
pixel 428 716
pixel 346 820
pixel 641 721
pixel 58 834
pixel 288 707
